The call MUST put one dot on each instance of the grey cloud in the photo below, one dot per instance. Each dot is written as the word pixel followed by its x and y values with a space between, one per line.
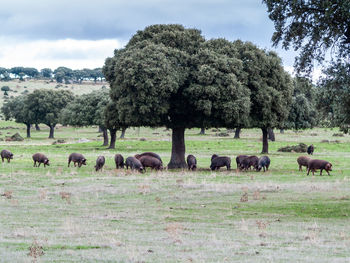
pixel 100 19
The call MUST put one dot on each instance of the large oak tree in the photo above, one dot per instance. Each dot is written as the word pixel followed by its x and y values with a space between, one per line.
pixel 167 76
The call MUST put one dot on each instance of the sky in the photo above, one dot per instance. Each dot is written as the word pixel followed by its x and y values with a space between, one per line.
pixel 83 33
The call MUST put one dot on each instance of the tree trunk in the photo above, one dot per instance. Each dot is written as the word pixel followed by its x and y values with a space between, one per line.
pixel 271 134
pixel 202 132
pixel 178 150
pixel 28 130
pixel 100 129
pixel 52 130
pixel 282 131
pixel 122 136
pixel 113 133
pixel 265 148
pixel 105 137
pixel 37 128
pixel 237 132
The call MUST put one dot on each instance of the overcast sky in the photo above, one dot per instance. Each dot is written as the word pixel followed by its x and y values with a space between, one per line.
pixel 82 33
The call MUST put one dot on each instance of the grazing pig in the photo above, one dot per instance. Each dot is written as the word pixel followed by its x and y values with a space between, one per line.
pixel 263 162
pixel 214 156
pixel 319 164
pixel 5 154
pixel 239 160
pixel 191 162
pixel 303 161
pixel 134 164
pixel 100 162
pixel 76 158
pixel 220 161
pixel 119 161
pixel 40 158
pixel 149 161
pixel 138 156
pixel 249 162
pixel 310 149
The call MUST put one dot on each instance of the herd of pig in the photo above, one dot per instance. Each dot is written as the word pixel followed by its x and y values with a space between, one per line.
pixel 149 159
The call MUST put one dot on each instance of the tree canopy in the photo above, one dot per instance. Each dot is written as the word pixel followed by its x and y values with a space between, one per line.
pixel 270 88
pixel 87 109
pixel 334 95
pixel 16 108
pixel 46 106
pixel 314 27
pixel 303 112
pixel 171 76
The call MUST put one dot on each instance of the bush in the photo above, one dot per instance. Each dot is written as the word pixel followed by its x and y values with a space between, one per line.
pixel 16 137
pixel 301 148
pixel 222 134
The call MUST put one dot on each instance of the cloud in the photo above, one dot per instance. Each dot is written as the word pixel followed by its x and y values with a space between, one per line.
pixel 39 23
pixel 75 54
pixel 81 19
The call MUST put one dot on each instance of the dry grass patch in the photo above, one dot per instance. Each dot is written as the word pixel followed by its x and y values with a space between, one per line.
pixel 66 196
pixel 7 194
pixel 35 251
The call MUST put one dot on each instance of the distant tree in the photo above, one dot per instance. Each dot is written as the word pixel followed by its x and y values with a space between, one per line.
pixel 88 74
pixel 303 112
pixel 63 74
pixel 31 72
pixel 334 96
pixel 98 74
pixel 5 88
pixel 17 71
pixel 16 108
pixel 167 76
pixel 122 135
pixel 79 75
pixel 46 106
pixel 6 77
pixel 314 27
pixel 21 76
pixel 46 73
pixel 112 122
pixel 3 71
pixel 86 110
pixel 271 134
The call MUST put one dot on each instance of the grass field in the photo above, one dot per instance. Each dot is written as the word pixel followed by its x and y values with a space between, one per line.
pixel 21 87
pixel 61 214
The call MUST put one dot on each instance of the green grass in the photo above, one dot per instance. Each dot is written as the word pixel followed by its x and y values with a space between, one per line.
pixel 79 215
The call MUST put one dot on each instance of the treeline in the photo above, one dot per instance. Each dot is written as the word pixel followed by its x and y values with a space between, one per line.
pixel 60 74
pixel 51 107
